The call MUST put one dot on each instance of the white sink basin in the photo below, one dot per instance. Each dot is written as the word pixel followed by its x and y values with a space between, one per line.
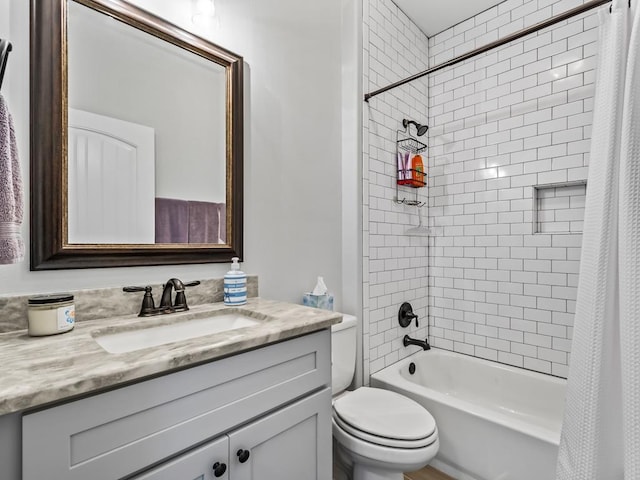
pixel 132 340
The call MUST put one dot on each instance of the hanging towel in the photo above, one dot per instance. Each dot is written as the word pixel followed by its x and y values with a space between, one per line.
pixel 223 222
pixel 172 220
pixel 204 222
pixel 11 206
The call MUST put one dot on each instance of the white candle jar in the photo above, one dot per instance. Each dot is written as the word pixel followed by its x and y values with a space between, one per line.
pixel 51 314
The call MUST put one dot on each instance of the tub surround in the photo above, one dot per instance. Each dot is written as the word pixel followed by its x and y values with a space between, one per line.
pixel 35 371
pixel 506 124
pixel 100 303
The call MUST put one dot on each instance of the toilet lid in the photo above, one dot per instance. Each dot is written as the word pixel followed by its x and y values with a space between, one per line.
pixel 384 441
pixel 385 414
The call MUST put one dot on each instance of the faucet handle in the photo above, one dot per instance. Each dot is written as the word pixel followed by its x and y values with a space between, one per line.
pixel 181 299
pixel 148 305
pixel 405 315
pixel 137 289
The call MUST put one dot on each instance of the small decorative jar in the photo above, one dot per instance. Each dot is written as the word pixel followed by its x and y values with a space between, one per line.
pixel 51 314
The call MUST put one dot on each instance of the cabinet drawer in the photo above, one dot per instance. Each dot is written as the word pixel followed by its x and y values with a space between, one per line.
pixel 117 433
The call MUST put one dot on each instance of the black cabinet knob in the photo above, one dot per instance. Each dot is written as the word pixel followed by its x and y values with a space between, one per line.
pixel 219 469
pixel 243 455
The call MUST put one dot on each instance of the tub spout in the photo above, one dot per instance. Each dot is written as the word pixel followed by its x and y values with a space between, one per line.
pixel 407 340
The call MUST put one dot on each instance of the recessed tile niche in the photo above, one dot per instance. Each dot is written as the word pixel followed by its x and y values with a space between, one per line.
pixel 559 207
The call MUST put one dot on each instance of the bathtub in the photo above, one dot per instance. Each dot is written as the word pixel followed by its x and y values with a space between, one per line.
pixel 495 422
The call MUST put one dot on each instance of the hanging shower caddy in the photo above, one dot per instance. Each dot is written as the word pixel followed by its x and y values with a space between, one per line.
pixel 407 147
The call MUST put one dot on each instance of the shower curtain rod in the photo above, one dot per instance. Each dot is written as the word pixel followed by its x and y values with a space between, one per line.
pixel 496 43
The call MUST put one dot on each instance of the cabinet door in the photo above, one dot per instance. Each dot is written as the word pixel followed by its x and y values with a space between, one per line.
pixel 197 464
pixel 292 443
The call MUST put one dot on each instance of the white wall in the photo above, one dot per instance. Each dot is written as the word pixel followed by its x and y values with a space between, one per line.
pixel 502 123
pixel 394 264
pixel 293 135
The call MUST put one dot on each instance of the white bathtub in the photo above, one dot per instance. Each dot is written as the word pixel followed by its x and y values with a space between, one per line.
pixel 495 422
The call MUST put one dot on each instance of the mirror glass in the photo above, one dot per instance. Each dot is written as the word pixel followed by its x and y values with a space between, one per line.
pixel 138 158
pixel 146 139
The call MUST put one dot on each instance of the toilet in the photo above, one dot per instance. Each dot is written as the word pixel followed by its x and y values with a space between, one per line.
pixel 378 434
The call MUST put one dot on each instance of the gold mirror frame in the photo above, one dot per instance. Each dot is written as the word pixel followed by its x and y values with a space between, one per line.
pixel 50 249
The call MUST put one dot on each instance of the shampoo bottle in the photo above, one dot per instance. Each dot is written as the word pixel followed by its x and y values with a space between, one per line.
pixel 235 285
pixel 417 171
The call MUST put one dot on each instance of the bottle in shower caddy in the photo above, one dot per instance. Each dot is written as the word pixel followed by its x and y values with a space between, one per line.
pixel 235 285
pixel 417 171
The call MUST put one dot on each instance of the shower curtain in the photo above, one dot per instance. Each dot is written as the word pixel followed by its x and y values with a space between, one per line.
pixel 601 430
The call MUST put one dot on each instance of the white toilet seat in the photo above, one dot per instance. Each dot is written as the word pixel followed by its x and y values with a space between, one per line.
pixel 384 441
pixel 385 418
pixel 384 457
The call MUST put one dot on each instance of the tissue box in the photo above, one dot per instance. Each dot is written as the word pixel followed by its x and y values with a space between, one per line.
pixel 318 301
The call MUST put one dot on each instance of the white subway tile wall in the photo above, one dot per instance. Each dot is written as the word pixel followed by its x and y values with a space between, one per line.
pixel 500 124
pixel 395 265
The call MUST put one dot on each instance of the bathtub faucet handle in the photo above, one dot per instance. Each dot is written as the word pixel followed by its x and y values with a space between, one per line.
pixel 405 315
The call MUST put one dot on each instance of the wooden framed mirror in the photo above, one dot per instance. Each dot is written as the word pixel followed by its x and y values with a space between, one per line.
pixel 136 140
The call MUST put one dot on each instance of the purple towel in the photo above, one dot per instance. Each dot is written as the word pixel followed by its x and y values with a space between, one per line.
pixel 184 221
pixel 223 222
pixel 172 220
pixel 204 222
pixel 11 206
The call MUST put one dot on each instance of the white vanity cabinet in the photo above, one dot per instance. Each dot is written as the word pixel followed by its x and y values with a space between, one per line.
pixel 265 414
pixel 284 445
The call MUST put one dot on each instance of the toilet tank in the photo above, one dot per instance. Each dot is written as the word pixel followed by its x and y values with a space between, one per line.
pixel 343 353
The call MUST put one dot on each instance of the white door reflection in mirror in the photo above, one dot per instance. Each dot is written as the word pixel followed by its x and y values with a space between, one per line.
pixel 111 185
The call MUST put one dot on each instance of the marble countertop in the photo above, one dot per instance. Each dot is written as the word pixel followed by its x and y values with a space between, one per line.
pixel 35 371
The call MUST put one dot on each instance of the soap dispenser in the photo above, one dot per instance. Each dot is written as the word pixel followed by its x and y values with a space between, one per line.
pixel 235 285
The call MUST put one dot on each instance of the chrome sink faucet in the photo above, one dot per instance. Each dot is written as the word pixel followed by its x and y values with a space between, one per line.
pixel 148 307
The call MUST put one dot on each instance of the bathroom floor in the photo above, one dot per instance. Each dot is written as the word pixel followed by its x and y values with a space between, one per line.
pixel 427 473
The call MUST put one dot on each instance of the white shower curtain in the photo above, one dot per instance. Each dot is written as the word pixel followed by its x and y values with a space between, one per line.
pixel 601 429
